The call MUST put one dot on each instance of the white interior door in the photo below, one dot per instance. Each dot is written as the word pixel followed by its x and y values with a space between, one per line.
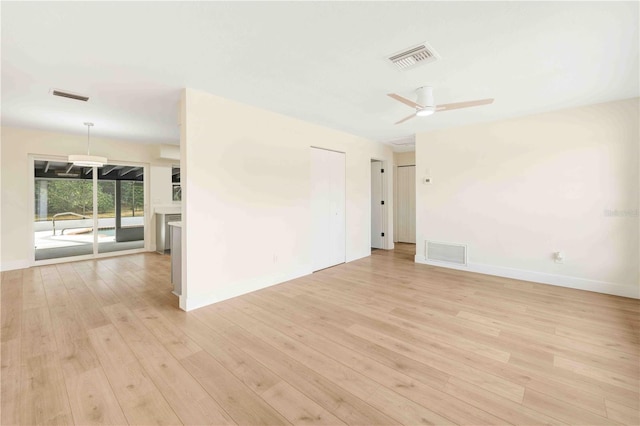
pixel 328 193
pixel 406 209
pixel 377 240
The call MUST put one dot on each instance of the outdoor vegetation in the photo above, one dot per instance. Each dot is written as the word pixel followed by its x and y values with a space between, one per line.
pixel 71 195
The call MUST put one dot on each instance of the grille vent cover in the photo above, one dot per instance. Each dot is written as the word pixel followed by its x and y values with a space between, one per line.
pixel 416 55
pixel 63 94
pixel 446 252
pixel 403 142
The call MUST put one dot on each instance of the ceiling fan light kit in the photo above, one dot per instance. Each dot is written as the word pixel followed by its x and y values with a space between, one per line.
pixel 88 160
pixel 425 105
pixel 423 112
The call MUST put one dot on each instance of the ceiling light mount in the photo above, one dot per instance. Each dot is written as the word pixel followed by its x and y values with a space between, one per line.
pixel 88 160
pixel 425 100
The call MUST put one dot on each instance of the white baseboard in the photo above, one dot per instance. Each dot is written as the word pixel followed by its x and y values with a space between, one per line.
pixel 615 289
pixel 229 292
pixel 15 264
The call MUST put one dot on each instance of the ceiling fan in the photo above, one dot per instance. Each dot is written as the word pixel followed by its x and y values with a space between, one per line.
pixel 425 105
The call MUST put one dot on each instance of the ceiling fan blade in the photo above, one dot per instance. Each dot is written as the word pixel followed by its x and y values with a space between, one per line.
pixel 409 117
pixel 457 105
pixel 404 100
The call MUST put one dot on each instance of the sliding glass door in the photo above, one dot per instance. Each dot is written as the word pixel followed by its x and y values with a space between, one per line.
pixel 79 214
pixel 121 216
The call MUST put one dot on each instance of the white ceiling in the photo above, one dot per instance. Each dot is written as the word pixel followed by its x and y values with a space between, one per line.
pixel 318 61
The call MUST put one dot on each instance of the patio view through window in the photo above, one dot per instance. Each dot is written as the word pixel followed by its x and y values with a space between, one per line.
pixel 64 222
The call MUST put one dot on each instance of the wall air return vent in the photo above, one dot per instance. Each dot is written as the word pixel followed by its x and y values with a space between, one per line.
pixel 446 252
pixel 413 56
pixel 64 94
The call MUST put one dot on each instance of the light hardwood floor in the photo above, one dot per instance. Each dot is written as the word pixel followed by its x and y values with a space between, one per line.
pixel 378 341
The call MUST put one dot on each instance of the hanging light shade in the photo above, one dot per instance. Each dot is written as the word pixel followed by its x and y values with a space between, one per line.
pixel 87 160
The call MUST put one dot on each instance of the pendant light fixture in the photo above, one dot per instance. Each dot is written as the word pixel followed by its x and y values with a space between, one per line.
pixel 87 160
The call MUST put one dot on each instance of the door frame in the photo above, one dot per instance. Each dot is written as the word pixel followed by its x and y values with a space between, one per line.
pixel 387 240
pixel 30 228
pixel 396 205
pixel 346 254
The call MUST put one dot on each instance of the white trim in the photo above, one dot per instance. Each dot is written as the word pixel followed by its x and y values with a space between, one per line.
pixel 24 263
pixel 615 289
pixel 94 187
pixel 15 264
pixel 99 255
pixel 228 292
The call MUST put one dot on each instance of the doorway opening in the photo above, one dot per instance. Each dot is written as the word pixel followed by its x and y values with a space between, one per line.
pixel 405 217
pixel 378 205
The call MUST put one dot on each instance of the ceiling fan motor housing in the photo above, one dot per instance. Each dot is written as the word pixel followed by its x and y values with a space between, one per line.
pixel 425 98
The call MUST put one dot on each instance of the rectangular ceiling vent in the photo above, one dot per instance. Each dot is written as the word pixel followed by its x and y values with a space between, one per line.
pixel 416 55
pixel 446 252
pixel 403 142
pixel 69 95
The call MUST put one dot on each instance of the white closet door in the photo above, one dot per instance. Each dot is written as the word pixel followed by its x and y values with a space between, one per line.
pixel 377 240
pixel 406 221
pixel 328 194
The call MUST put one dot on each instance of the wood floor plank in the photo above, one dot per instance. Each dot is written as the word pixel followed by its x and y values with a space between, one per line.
pixel 569 394
pixel 10 383
pixel 343 404
pixel 620 380
pixel 11 296
pixel 92 399
pixel 442 336
pixel 242 404
pixel 402 408
pixel 33 290
pixel 185 395
pixel 43 394
pixel 241 365
pixel 408 366
pixel 489 382
pixel 141 401
pixel 563 412
pixel 322 323
pixel 582 382
pixel 445 409
pixel 296 407
pixel 377 341
pixel 622 414
pixel 174 340
pixel 37 335
pixel 511 412
pixel 90 395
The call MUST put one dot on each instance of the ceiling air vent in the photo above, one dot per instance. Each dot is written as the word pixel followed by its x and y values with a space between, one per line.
pixel 416 55
pixel 403 142
pixel 69 95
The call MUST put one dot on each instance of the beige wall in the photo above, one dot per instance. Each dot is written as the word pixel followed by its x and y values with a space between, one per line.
pixel 17 177
pixel 246 189
pixel 515 191
pixel 404 158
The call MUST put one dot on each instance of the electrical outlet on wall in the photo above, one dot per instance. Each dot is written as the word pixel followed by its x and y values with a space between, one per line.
pixel 558 256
